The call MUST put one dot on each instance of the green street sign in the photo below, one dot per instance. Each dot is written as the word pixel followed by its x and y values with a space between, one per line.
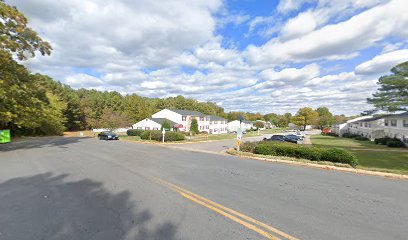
pixel 5 136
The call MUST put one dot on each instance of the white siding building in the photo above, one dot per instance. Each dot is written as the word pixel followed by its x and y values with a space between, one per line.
pixel 234 125
pixel 181 120
pixel 152 124
pixel 396 126
pixel 371 128
pixel 342 128
pixel 217 125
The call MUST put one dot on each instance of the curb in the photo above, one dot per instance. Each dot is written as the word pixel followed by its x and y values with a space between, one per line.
pixel 324 167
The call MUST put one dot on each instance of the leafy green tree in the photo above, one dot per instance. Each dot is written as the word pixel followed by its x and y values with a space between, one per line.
pixel 113 120
pixel 166 125
pixel 326 118
pixel 305 116
pixel 194 126
pixel 16 37
pixel 392 95
pixel 258 125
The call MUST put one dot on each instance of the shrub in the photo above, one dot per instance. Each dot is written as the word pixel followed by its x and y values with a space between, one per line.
pixel 382 141
pixel 330 134
pixel 350 135
pixel 174 136
pixel 310 153
pixel 151 135
pixel 248 146
pixel 395 143
pixel 134 132
pixel 361 138
pixel 157 136
pixel 339 155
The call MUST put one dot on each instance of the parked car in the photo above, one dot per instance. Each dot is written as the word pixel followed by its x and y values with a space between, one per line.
pixel 108 136
pixel 280 138
pixel 293 136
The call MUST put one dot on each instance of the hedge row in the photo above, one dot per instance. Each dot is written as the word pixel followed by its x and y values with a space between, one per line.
pixel 134 132
pixel 350 135
pixel 158 136
pixel 298 151
pixel 390 142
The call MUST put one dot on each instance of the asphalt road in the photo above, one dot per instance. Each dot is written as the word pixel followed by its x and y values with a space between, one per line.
pixel 71 188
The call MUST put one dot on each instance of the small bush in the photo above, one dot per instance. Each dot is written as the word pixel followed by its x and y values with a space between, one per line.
pixel 339 155
pixel 158 136
pixel 248 146
pixel 395 143
pixel 382 141
pixel 350 135
pixel 310 153
pixel 174 136
pixel 361 138
pixel 330 134
pixel 134 132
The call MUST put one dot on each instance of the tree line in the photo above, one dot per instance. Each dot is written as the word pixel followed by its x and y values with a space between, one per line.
pixel 35 104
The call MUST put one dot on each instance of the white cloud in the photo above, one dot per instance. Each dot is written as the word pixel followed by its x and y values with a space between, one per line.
pixel 361 31
pixel 382 63
pixel 167 48
pixel 303 23
pixel 286 6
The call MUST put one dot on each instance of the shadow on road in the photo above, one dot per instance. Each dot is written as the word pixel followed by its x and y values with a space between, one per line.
pixel 45 206
pixel 40 142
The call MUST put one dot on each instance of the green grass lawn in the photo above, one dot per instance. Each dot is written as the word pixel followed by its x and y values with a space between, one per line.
pixel 394 161
pixel 329 141
pixel 383 160
pixel 133 138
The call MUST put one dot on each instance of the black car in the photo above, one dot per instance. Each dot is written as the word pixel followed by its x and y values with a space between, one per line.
pixel 108 136
pixel 280 138
pixel 293 136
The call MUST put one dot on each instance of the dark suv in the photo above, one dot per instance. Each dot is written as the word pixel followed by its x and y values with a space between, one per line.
pixel 108 136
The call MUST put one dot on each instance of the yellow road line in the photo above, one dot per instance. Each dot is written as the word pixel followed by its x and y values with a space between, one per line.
pixel 224 211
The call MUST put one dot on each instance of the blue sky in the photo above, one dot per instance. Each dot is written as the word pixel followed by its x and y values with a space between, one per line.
pixel 248 55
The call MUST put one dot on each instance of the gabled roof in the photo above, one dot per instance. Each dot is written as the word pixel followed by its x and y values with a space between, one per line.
pixel 187 112
pixel 161 120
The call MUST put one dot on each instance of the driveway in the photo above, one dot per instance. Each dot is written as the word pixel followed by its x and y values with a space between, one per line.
pixel 78 188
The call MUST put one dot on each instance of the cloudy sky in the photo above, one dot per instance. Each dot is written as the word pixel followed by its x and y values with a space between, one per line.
pixel 249 55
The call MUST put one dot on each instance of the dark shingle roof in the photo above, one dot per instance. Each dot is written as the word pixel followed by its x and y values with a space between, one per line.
pixel 374 118
pixel 186 112
pixel 161 120
pixel 405 114
pixel 215 118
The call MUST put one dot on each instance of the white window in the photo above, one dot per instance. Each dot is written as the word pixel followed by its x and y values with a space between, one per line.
pixel 405 123
pixel 155 128
pixel 365 124
pixel 369 125
pixel 361 124
pixel 393 122
pixel 183 118
pixel 207 127
pixel 201 118
pixel 147 128
pixel 386 122
pixel 139 128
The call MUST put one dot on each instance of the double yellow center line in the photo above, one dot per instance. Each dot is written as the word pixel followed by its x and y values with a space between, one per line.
pixel 253 224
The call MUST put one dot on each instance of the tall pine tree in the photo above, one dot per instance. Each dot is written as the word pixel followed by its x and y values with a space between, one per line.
pixel 392 95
